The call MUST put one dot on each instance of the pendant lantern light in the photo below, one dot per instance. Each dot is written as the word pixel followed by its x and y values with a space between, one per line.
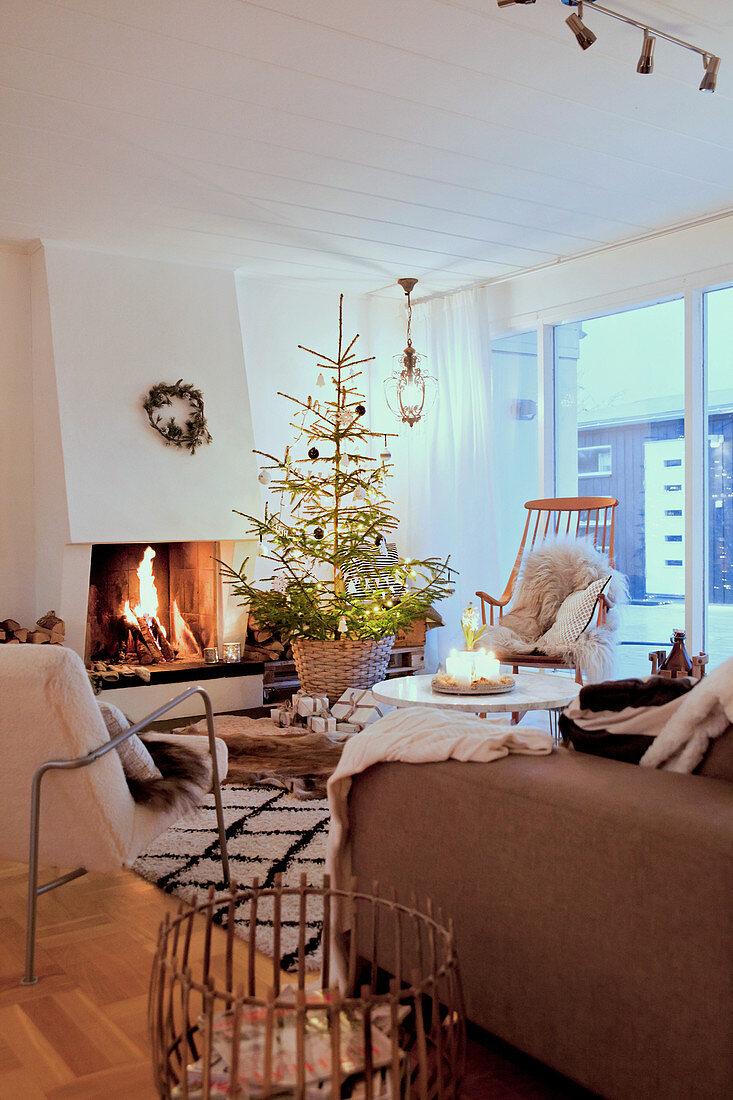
pixel 410 391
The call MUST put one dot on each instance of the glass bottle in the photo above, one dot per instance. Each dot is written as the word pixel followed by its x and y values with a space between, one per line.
pixel 677 662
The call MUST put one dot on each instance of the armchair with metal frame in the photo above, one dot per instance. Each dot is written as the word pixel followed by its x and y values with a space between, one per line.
pixel 86 816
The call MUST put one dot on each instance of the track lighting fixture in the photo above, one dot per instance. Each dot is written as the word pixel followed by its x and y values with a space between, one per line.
pixel 583 34
pixel 645 65
pixel 646 58
pixel 710 78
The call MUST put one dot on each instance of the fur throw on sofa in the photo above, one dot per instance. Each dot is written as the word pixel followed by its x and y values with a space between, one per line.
pixel 550 574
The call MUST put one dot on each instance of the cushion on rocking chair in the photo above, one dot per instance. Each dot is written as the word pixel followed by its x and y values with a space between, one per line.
pixel 573 617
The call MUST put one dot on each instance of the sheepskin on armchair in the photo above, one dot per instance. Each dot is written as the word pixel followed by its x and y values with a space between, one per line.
pixel 83 815
pixel 89 817
pixel 549 575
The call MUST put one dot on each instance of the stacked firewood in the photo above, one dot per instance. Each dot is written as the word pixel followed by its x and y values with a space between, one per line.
pixel 49 630
pixel 262 643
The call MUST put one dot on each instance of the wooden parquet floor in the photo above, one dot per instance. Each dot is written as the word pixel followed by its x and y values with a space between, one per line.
pixel 81 1032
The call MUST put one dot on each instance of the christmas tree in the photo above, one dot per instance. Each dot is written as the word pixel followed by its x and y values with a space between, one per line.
pixel 326 526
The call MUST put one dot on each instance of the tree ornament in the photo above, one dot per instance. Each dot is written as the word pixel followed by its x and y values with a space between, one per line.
pixel 318 533
pixel 342 627
pixel 360 410
pixel 264 478
pixel 359 493
pixel 320 381
pixel 313 453
pixel 196 433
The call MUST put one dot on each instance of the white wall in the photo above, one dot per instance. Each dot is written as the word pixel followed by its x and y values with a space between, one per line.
pixel 274 322
pixel 119 325
pixel 17 574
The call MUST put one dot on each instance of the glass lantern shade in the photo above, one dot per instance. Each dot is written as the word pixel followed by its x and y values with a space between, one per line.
pixel 410 392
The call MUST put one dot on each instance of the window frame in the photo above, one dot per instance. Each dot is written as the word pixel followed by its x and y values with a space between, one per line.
pixel 545 320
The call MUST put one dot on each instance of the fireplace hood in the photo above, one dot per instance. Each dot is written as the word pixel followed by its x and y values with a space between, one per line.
pixel 105 329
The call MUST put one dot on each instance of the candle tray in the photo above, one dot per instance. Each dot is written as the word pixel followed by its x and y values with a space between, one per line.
pixel 481 687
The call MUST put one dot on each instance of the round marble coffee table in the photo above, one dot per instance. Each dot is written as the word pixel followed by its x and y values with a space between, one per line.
pixel 533 691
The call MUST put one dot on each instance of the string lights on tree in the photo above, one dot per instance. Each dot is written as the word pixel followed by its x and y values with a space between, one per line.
pixel 327 521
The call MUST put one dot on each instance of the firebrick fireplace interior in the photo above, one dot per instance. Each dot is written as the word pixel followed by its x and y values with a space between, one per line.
pixel 154 604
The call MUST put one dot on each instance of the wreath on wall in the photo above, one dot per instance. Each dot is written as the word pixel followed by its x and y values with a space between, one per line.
pixel 194 432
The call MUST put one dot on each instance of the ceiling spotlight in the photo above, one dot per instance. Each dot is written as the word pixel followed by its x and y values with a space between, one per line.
pixel 646 59
pixel 710 79
pixel 645 65
pixel 584 36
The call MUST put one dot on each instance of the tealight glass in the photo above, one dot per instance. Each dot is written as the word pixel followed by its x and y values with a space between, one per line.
pixel 232 652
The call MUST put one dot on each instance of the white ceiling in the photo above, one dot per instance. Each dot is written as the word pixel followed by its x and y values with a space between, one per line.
pixel 347 144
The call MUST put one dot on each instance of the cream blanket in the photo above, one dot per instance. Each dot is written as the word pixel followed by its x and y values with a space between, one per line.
pixel 417 735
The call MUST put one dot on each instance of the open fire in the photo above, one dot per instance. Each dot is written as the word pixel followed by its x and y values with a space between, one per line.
pixel 151 605
pixel 146 635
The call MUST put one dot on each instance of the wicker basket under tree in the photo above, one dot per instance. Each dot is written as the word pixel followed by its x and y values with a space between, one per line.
pixel 337 591
pixel 331 668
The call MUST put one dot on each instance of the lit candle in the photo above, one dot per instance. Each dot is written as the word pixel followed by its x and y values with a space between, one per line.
pixel 487 665
pixel 452 665
pixel 459 666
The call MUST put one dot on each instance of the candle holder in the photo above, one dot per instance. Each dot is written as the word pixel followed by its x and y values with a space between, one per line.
pixel 443 685
pixel 472 672
pixel 232 652
pixel 211 655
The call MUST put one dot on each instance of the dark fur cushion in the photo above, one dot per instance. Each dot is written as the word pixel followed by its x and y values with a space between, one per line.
pixel 616 695
pixel 183 782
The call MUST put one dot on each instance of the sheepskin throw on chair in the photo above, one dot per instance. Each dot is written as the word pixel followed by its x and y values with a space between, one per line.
pixel 550 576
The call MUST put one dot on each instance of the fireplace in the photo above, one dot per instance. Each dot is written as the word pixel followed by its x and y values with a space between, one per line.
pixel 153 604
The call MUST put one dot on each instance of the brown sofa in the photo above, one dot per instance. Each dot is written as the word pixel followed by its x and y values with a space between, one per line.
pixel 593 906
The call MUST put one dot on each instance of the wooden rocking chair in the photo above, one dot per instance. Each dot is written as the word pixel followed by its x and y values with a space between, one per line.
pixel 556 517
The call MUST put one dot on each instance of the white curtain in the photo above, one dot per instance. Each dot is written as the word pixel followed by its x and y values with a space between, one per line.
pixel 446 466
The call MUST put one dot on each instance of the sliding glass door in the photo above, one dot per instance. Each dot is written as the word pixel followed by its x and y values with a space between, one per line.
pixel 619 431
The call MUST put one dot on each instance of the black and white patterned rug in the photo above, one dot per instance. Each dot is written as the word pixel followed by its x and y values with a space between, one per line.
pixel 268 831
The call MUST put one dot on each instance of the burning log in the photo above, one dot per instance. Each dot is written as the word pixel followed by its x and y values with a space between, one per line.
pixel 160 637
pixel 155 650
pixel 148 650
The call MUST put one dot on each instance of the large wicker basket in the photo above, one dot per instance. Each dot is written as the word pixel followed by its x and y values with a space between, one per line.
pixel 385 1020
pixel 330 668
